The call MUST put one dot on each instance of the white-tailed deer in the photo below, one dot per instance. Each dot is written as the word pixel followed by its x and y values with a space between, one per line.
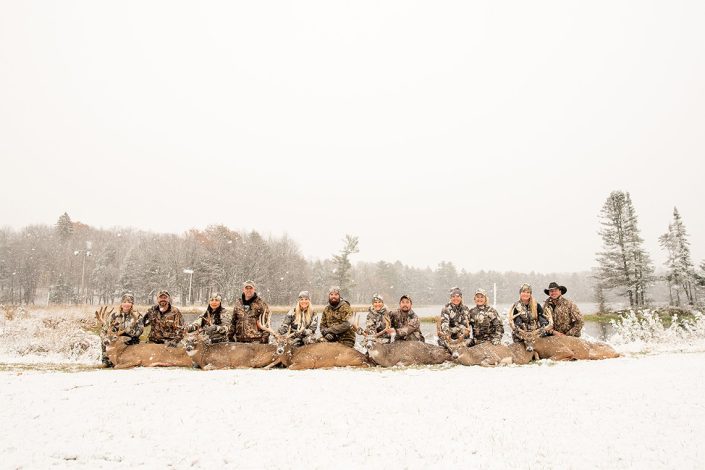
pixel 124 356
pixel 406 353
pixel 569 348
pixel 322 356
pixel 230 355
pixel 484 354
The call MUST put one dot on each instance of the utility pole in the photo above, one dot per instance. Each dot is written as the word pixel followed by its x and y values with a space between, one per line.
pixel 190 279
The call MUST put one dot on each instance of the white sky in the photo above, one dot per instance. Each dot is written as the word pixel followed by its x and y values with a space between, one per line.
pixel 484 133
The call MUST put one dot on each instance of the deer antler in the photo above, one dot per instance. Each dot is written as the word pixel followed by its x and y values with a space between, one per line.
pixel 102 314
pixel 266 328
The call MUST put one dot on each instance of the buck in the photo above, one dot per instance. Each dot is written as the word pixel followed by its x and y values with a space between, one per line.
pixel 484 354
pixel 568 348
pixel 405 353
pixel 124 356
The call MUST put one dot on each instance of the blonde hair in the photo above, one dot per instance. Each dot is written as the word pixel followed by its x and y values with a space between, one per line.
pixel 305 315
pixel 533 310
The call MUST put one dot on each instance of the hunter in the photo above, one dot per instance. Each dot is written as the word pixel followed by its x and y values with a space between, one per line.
pixel 126 321
pixel 335 322
pixel 484 320
pixel 214 321
pixel 251 317
pixel 405 325
pixel 455 319
pixel 301 322
pixel 377 320
pixel 567 319
pixel 166 321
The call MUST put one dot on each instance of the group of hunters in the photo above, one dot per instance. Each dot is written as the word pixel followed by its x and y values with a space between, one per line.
pixel 249 320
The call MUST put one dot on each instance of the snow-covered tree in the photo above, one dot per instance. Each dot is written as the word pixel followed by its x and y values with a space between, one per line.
pixel 623 263
pixel 680 273
pixel 343 265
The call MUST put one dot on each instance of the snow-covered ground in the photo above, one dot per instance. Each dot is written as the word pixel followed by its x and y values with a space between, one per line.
pixel 644 410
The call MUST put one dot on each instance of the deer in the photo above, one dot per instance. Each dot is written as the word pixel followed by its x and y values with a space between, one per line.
pixel 207 355
pixel 405 353
pixel 568 348
pixel 315 355
pixel 125 356
pixel 483 354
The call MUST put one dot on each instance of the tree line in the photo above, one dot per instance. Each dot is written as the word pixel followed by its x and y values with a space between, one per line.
pixel 71 262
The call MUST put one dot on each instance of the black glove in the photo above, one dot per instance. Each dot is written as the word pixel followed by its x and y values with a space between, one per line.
pixel 329 337
pixel 324 331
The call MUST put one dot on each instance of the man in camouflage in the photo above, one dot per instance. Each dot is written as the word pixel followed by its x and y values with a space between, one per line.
pixel 126 321
pixel 250 309
pixel 378 320
pixel 567 319
pixel 405 323
pixel 455 318
pixel 166 321
pixel 335 322
pixel 214 322
pixel 484 320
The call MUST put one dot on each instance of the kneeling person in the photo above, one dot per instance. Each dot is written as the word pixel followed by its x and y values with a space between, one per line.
pixel 126 321
pixel 404 322
pixel 301 320
pixel 213 322
pixel 335 322
pixel 484 320
pixel 166 320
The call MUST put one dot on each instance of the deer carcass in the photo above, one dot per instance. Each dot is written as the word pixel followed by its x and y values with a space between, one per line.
pixel 230 355
pixel 406 353
pixel 570 348
pixel 322 356
pixel 483 354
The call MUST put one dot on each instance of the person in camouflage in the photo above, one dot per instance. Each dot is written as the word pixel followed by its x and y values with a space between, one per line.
pixel 484 320
pixel 567 319
pixel 249 310
pixel 527 315
pixel 214 322
pixel 126 321
pixel 335 322
pixel 404 323
pixel 166 321
pixel 301 320
pixel 455 318
pixel 378 320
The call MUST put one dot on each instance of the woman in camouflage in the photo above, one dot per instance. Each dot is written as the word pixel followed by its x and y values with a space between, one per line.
pixel 527 315
pixel 213 321
pixel 377 319
pixel 301 320
pixel 125 321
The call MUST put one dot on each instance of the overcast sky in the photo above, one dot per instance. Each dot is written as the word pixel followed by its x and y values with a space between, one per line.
pixel 484 133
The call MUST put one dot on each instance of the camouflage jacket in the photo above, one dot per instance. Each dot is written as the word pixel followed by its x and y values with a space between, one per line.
pixel 218 319
pixel 125 322
pixel 336 321
pixel 302 332
pixel 377 320
pixel 166 327
pixel 407 325
pixel 520 318
pixel 566 316
pixel 244 322
pixel 486 325
pixel 455 319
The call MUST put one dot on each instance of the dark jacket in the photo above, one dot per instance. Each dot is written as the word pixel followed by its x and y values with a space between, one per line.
pixel 167 327
pixel 244 322
pixel 336 322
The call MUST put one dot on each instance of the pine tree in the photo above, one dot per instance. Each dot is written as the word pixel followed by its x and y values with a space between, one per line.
pixel 623 263
pixel 64 227
pixel 343 265
pixel 680 269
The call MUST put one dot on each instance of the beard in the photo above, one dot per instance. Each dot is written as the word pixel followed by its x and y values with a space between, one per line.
pixel 334 302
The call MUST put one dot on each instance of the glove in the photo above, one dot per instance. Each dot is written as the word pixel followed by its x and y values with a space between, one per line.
pixel 308 332
pixel 329 337
pixel 191 328
pixel 209 330
pixel 324 331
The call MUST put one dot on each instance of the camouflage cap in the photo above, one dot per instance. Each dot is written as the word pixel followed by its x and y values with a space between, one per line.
pixel 406 297
pixel 126 297
pixel 377 297
pixel 163 292
pixel 304 295
pixel 456 291
pixel 481 291
pixel 249 283
pixel 334 289
pixel 525 288
pixel 215 296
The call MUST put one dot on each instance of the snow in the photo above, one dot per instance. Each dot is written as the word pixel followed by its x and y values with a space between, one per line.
pixel 644 410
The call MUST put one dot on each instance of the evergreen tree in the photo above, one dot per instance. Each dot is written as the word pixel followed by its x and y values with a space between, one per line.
pixel 64 227
pixel 343 266
pixel 680 273
pixel 623 264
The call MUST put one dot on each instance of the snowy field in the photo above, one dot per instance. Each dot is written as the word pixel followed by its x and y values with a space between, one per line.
pixel 644 410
